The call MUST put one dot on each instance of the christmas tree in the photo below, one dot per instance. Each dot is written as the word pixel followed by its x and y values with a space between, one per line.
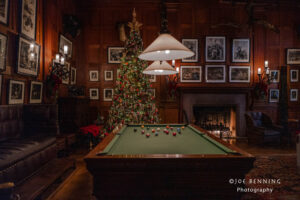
pixel 133 102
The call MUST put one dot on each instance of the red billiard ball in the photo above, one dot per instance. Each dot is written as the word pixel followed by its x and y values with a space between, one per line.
pixel 167 127
pixel 143 131
pixel 174 133
pixel 167 132
pixel 171 128
pixel 148 135
pixel 153 130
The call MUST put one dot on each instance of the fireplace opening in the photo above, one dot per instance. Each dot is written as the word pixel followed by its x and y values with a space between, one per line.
pixel 218 120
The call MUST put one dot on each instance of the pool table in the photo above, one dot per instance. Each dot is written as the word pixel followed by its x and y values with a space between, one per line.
pixel 146 162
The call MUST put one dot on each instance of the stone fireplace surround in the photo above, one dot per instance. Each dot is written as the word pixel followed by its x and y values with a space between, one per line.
pixel 238 100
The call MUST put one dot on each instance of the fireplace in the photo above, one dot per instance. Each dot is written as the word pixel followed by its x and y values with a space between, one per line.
pixel 218 120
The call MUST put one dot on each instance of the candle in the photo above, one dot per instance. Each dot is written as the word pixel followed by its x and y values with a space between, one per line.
pixel 66 49
pixel 177 69
pixel 266 64
pixel 259 71
pixel 31 47
pixel 62 60
pixel 31 58
pixel 173 63
pixel 57 58
pixel 268 71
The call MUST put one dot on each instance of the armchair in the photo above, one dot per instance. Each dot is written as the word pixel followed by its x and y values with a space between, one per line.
pixel 260 129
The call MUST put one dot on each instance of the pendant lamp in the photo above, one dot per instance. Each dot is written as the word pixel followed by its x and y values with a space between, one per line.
pixel 160 68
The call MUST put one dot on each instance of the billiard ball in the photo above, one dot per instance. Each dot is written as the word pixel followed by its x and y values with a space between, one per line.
pixel 171 128
pixel 174 133
pixel 147 135
pixel 158 129
pixel 142 126
pixel 182 127
pixel 178 130
pixel 167 127
pixel 153 130
pixel 143 131
pixel 167 132
pixel 156 134
pixel 148 127
pixel 134 129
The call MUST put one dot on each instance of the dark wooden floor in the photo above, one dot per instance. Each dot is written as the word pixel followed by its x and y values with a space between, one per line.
pixel 79 184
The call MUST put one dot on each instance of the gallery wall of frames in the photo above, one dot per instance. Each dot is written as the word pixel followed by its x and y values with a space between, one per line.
pixel 29 39
pixel 229 48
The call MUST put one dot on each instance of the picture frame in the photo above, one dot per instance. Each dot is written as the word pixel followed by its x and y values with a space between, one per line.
pixel 28 62
pixel 118 73
pixel 66 78
pixel 215 73
pixel 215 49
pixel 191 44
pixel 0 88
pixel 36 92
pixel 190 74
pixel 274 95
pixel 16 92
pixel 114 54
pixel 275 76
pixel 4 11
pixel 108 75
pixel 152 78
pixel 294 95
pixel 152 91
pixel 65 41
pixel 73 75
pixel 239 74
pixel 293 56
pixel 94 75
pixel 241 50
pixel 108 94
pixel 294 75
pixel 3 50
pixel 28 18
pixel 94 93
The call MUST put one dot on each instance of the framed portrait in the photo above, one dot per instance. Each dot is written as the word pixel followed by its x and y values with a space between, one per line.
pixel 4 7
pixel 294 95
pixel 28 57
pixel 108 94
pixel 108 75
pixel 115 54
pixel 241 50
pixel 36 92
pixel 215 49
pixel 3 50
pixel 94 75
pixel 274 95
pixel 65 41
pixel 215 73
pixel 94 93
pixel 239 74
pixel 293 56
pixel 191 44
pixel 294 75
pixel 28 18
pixel 16 92
pixel 152 78
pixel 190 73
pixel 66 77
pixel 152 92
pixel 275 76
pixel 73 75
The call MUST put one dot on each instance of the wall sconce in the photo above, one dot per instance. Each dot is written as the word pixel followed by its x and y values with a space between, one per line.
pixel 265 75
pixel 58 66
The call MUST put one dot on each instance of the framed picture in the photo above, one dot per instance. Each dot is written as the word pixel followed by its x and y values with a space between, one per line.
pixel 241 50
pixel 294 95
pixel 28 58
pixel 16 92
pixel 108 94
pixel 94 75
pixel 293 56
pixel 115 54
pixel 215 73
pixel 66 78
pixel 65 41
pixel 190 73
pixel 4 7
pixel 0 87
pixel 215 49
pixel 94 93
pixel 36 92
pixel 274 95
pixel 73 75
pixel 118 73
pixel 239 74
pixel 152 78
pixel 28 18
pixel 191 44
pixel 3 49
pixel 275 76
pixel 108 75
pixel 152 92
pixel 294 73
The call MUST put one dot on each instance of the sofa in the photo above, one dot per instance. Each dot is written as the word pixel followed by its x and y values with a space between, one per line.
pixel 261 130
pixel 27 140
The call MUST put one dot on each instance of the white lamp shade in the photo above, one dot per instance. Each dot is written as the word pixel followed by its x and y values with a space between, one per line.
pixel 165 47
pixel 160 68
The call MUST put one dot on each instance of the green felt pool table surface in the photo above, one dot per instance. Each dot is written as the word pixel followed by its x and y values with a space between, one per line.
pixel 189 141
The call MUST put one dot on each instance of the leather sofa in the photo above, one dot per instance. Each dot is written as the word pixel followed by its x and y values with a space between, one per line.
pixel 260 129
pixel 27 140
